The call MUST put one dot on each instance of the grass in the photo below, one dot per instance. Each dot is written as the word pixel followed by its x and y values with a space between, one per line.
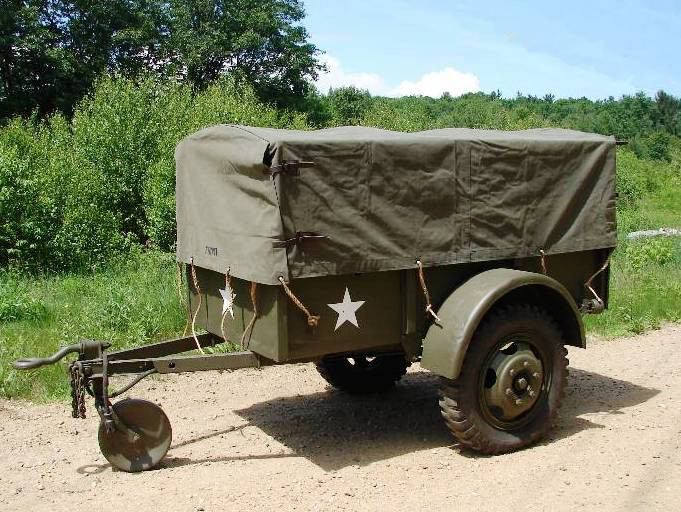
pixel 129 302
pixel 641 298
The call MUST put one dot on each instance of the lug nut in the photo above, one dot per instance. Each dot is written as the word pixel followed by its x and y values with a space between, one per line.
pixel 536 375
pixel 509 391
pixel 518 401
pixel 511 372
pixel 526 364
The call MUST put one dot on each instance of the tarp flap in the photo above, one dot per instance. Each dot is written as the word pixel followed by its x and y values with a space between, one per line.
pixel 385 199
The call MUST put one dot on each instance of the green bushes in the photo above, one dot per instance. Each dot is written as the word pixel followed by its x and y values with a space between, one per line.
pixel 469 111
pixel 27 209
pixel 635 179
pixel 645 253
pixel 74 193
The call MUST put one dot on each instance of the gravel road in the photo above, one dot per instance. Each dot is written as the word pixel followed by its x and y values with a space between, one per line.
pixel 278 439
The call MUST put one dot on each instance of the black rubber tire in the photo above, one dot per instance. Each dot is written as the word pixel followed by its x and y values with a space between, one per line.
pixel 460 399
pixel 359 375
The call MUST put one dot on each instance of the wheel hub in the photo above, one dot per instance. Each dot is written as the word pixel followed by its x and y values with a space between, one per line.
pixel 513 382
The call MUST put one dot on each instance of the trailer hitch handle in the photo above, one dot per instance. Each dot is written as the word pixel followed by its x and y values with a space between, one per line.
pixel 36 362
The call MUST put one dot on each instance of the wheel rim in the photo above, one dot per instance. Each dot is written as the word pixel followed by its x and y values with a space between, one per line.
pixel 514 380
pixel 145 449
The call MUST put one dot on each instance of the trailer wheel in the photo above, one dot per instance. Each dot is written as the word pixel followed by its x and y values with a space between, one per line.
pixel 362 374
pixel 146 440
pixel 511 383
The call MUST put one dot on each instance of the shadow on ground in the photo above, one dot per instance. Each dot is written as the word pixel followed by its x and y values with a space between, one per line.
pixel 334 430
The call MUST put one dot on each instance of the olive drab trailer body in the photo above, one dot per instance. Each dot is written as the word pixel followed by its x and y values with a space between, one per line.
pixel 355 208
pixel 474 252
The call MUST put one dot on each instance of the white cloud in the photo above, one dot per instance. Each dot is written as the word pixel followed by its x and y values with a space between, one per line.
pixel 432 84
pixel 435 84
pixel 338 77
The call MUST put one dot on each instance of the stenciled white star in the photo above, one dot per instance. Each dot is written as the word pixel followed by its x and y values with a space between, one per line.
pixel 346 310
pixel 228 300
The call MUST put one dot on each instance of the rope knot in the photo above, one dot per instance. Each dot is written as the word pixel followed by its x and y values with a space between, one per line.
pixel 312 320
pixel 426 295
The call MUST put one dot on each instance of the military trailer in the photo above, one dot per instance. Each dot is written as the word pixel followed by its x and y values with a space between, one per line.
pixel 472 252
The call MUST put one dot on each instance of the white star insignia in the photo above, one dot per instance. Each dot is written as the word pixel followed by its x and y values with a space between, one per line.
pixel 228 300
pixel 346 310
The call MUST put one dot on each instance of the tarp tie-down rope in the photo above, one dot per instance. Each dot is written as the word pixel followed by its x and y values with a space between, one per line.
pixel 249 327
pixel 198 292
pixel 228 286
pixel 588 281
pixel 312 320
pixel 543 262
pixel 183 299
pixel 429 305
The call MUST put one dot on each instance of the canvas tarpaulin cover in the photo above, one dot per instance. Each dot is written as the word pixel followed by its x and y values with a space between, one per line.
pixel 384 199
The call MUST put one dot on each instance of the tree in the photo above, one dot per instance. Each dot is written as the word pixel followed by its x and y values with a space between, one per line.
pixel 51 51
pixel 669 111
pixel 348 105
pixel 29 71
pixel 260 41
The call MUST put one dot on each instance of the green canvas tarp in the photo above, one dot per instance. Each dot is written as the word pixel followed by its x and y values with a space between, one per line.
pixel 383 199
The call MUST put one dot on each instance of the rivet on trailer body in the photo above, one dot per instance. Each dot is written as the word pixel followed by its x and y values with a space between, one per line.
pixel 171 365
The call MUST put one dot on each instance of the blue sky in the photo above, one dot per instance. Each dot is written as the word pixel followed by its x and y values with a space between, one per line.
pixel 571 48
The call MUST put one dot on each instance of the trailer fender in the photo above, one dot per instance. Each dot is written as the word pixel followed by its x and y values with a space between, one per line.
pixel 446 342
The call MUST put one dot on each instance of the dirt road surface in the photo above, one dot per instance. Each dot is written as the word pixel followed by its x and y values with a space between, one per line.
pixel 279 439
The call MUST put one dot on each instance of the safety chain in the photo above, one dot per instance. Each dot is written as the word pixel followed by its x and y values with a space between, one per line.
pixel 77 392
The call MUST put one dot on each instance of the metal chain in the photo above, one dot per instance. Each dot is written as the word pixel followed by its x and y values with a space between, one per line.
pixel 74 392
pixel 77 392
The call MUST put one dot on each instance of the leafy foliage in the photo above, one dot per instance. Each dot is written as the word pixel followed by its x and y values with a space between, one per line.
pixel 655 251
pixel 76 193
pixel 52 51
pixel 260 41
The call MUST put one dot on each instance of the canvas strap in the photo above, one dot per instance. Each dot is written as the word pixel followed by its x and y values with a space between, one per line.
pixel 291 168
pixel 300 236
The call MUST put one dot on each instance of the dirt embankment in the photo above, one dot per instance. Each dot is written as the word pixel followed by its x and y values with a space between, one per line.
pixel 278 439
